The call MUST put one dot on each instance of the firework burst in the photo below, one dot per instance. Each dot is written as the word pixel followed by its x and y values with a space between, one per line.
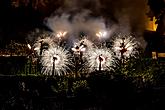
pixel 56 61
pixel 100 59
pixel 82 46
pixel 125 46
pixel 88 44
pixel 43 44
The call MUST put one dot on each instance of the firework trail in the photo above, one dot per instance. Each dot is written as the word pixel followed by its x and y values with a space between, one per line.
pixel 100 59
pixel 55 61
pixel 125 46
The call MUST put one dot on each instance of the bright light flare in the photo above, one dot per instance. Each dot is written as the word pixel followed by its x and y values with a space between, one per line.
pixel 29 46
pixel 101 34
pixel 125 46
pixel 97 56
pixel 62 60
pixel 82 46
pixel 82 49
pixel 61 34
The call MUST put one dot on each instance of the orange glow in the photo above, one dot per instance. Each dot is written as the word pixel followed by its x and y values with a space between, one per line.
pixel 150 24
pixel 161 54
pixel 154 56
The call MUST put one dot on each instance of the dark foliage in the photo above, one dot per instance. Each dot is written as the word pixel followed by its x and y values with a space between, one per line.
pixel 102 90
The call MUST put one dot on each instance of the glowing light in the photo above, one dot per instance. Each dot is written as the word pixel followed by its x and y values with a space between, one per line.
pixel 61 59
pixel 29 46
pixel 101 34
pixel 151 24
pixel 61 34
pixel 125 46
pixel 154 55
pixel 99 59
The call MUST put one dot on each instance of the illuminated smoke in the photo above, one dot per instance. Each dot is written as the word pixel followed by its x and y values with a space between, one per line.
pixel 94 16
pixel 62 61
pixel 78 23
pixel 85 4
pixel 59 23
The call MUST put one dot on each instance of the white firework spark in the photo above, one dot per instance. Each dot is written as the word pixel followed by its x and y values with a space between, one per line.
pixel 43 44
pixel 55 61
pixel 99 59
pixel 101 34
pixel 61 34
pixel 29 46
pixel 88 44
pixel 83 45
pixel 125 46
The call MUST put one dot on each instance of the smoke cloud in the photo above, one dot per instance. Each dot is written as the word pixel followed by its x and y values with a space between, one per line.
pixel 126 13
pixel 91 16
pixel 78 24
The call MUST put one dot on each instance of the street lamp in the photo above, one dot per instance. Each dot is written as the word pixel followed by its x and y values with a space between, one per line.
pixel 43 46
pixel 123 48
pixel 100 61
pixel 54 59
pixel 82 50
pixel 30 57
pixel 78 52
